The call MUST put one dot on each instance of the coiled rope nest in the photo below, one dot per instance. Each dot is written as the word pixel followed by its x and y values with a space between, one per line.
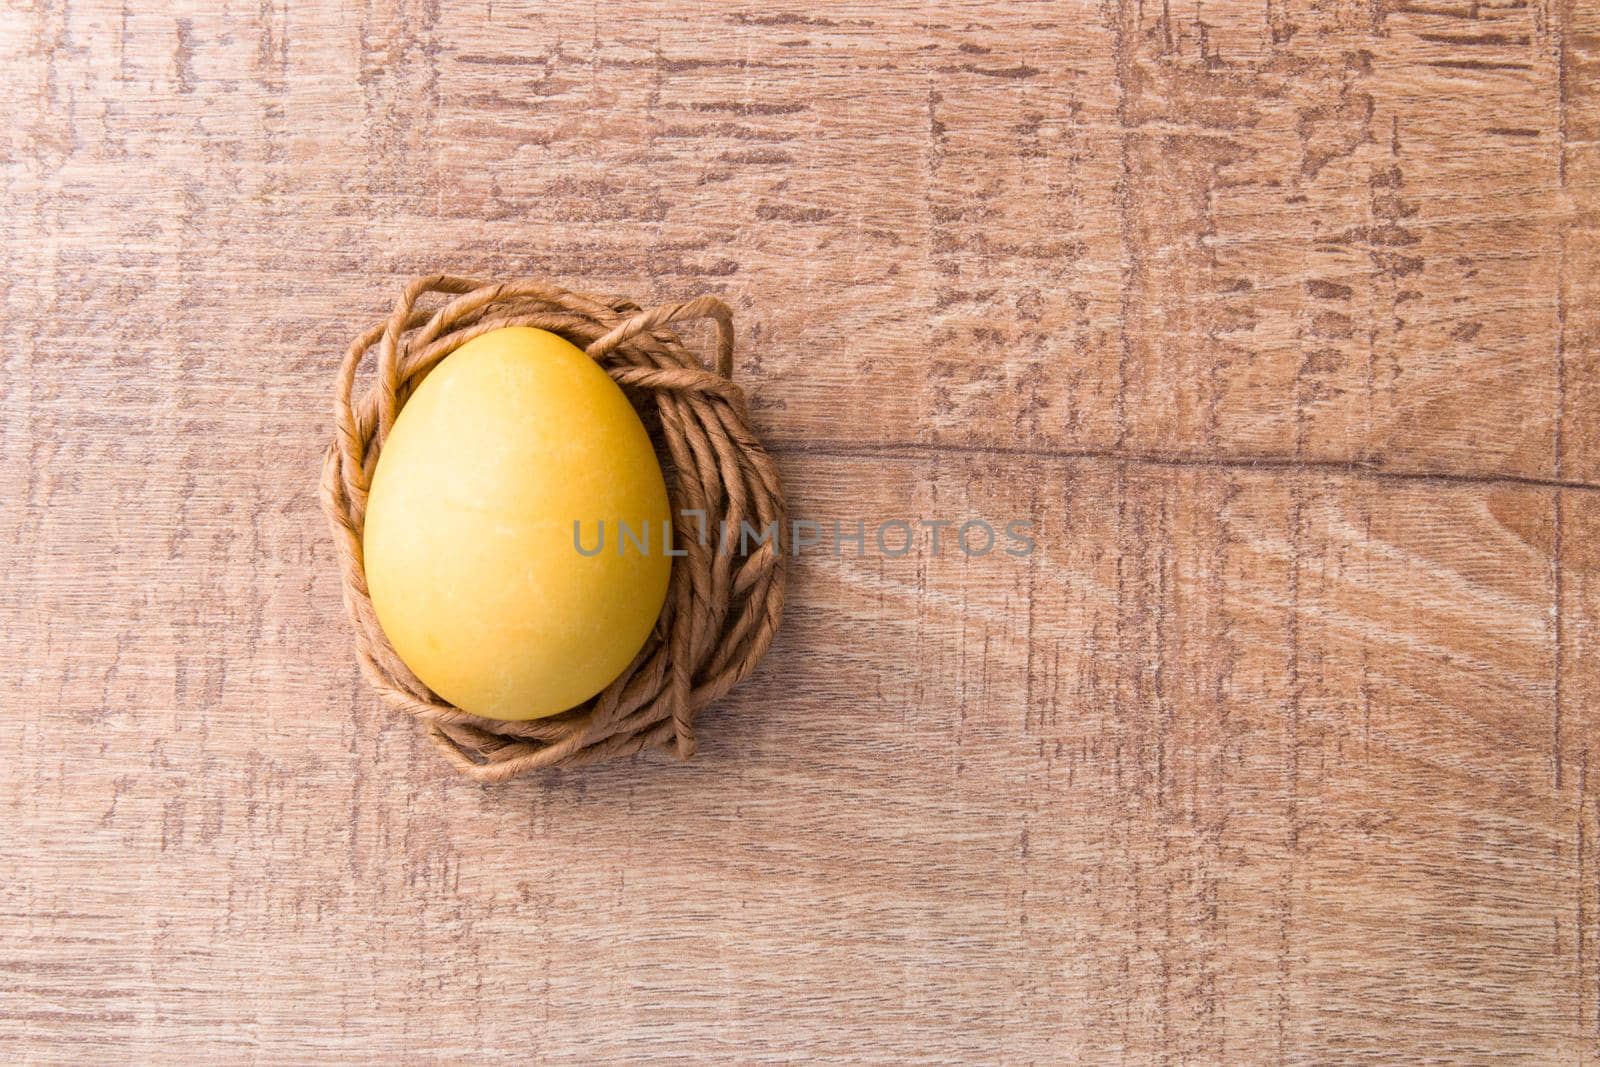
pixel 723 604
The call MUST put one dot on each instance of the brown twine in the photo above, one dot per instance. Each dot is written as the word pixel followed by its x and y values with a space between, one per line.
pixel 722 605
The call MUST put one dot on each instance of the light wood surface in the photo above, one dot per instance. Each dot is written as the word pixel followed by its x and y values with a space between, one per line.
pixel 1278 319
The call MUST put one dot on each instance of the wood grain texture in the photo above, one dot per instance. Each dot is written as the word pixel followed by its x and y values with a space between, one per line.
pixel 1276 318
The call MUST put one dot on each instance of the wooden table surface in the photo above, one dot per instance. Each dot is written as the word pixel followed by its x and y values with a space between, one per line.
pixel 1278 320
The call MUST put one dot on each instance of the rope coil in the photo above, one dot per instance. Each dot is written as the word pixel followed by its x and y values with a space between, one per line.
pixel 723 605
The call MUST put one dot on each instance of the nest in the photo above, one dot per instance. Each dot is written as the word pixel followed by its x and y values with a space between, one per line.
pixel 723 604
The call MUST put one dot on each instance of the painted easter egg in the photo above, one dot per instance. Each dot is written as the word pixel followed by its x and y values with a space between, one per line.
pixel 517 531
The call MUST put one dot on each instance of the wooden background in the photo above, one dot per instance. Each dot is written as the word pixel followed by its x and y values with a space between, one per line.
pixel 1278 319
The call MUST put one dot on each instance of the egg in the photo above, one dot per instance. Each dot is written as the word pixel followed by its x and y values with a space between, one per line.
pixel 515 457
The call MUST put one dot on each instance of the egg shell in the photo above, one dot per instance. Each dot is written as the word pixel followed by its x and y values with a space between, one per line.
pixel 470 552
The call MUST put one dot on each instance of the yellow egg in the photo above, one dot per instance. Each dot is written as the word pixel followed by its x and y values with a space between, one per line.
pixel 471 557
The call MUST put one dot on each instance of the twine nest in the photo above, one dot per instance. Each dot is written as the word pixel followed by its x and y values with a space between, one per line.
pixel 722 606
